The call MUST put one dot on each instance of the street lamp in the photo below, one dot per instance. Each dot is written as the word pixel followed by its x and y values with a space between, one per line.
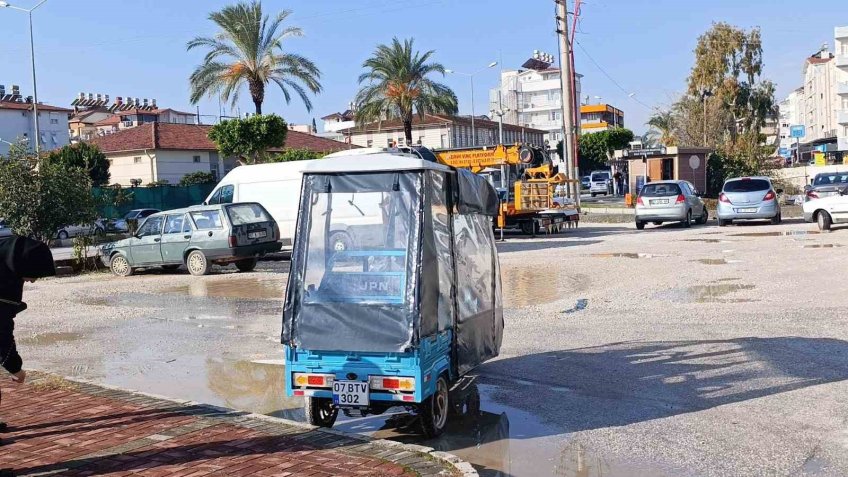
pixel 5 4
pixel 471 76
pixel 705 93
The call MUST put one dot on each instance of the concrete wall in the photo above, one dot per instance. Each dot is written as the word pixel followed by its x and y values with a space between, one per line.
pixel 432 137
pixel 801 176
pixel 125 166
pixel 173 165
pixel 162 165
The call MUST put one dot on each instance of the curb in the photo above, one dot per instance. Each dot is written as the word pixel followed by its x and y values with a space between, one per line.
pixel 395 452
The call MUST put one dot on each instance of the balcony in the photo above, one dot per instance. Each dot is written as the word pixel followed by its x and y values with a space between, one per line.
pixel 842 116
pixel 842 61
pixel 842 88
pixel 840 32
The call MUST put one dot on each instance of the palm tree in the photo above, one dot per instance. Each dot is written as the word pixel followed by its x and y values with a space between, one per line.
pixel 663 121
pixel 398 86
pixel 249 50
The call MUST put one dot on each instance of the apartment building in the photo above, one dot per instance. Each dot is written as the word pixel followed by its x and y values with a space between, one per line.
pixel 16 121
pixel 599 117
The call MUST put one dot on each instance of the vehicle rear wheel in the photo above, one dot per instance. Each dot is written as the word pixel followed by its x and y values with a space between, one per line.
pixel 120 266
pixel 824 220
pixel 776 219
pixel 687 222
pixel 62 235
pixel 340 241
pixel 434 411
pixel 197 263
pixel 702 220
pixel 320 412
pixel 170 267
pixel 530 227
pixel 246 265
pixel 640 225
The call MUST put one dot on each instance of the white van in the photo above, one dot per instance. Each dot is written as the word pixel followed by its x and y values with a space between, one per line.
pixel 277 187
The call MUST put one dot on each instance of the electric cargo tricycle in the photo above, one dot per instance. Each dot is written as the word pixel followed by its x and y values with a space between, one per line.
pixel 394 293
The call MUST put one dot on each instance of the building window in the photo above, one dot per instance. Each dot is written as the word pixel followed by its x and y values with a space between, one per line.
pixel 556 115
pixel 420 140
pixel 196 158
pixel 137 160
pixel 369 143
pixel 54 121
pixel 389 142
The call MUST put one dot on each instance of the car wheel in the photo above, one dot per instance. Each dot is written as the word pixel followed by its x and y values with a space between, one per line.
pixel 62 235
pixel 320 412
pixel 824 220
pixel 687 222
pixel 246 265
pixel 99 232
pixel 704 218
pixel 724 223
pixel 776 219
pixel 434 410
pixel 640 225
pixel 120 266
pixel 340 241
pixel 197 263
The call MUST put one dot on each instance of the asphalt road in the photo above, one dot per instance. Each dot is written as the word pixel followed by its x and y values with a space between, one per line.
pixel 705 351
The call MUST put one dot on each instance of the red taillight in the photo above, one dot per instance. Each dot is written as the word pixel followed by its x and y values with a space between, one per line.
pixel 389 383
pixel 723 198
pixel 315 380
pixel 639 200
pixel 680 199
pixel 232 241
pixel 812 194
pixel 408 398
pixel 769 195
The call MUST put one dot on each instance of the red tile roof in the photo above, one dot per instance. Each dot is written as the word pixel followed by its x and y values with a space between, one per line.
pixel 28 107
pixel 110 121
pixel 190 137
pixel 817 61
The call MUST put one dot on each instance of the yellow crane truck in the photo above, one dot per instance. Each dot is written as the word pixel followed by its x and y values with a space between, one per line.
pixel 526 181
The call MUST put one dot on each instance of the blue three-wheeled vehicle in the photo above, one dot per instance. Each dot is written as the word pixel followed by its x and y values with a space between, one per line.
pixel 394 292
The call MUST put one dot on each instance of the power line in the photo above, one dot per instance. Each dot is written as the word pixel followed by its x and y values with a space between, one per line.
pixel 616 83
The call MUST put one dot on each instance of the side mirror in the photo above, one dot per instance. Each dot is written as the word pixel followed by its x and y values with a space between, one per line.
pixel 778 191
pixel 204 203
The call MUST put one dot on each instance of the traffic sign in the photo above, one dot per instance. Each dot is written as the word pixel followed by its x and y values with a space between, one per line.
pixel 797 130
pixel 785 152
pixel 694 162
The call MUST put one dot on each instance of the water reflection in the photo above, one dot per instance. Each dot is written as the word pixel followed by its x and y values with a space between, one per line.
pixel 253 386
pixel 528 286
pixel 247 288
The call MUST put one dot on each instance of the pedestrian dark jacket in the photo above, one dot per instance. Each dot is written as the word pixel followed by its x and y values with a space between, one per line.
pixel 20 258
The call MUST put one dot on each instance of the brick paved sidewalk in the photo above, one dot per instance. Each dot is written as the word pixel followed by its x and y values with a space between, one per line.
pixel 59 427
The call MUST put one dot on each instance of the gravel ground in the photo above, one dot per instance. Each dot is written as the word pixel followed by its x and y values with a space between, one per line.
pixel 702 351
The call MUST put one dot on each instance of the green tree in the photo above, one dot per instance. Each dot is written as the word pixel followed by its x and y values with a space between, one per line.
pixel 197 177
pixel 84 156
pixel 398 86
pixel 663 122
pixel 39 201
pixel 250 138
pixel 296 154
pixel 248 49
pixel 595 149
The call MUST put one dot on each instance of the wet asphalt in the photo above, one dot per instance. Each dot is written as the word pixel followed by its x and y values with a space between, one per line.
pixel 666 352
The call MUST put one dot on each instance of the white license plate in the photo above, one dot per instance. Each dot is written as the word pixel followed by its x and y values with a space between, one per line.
pixel 255 235
pixel 658 201
pixel 350 393
pixel 748 210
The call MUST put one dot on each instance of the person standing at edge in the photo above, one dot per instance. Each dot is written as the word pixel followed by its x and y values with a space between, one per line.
pixel 21 260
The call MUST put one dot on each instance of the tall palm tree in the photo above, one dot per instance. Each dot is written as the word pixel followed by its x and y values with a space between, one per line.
pixel 397 86
pixel 663 121
pixel 249 50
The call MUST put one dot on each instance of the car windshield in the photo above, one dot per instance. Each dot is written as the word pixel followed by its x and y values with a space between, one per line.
pixel 132 214
pixel 247 214
pixel 660 190
pixel 747 185
pixel 600 176
pixel 828 179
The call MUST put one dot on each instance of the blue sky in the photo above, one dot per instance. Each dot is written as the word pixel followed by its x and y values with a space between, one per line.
pixel 137 48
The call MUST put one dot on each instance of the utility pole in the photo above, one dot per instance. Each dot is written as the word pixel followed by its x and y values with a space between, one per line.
pixel 568 149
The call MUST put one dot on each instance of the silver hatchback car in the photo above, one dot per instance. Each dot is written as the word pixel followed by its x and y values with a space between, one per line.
pixel 748 198
pixel 669 201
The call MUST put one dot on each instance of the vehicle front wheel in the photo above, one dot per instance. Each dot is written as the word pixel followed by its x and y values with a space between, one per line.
pixel 246 265
pixel 824 220
pixel 120 266
pixel 340 241
pixel 434 410
pixel 687 222
pixel 197 263
pixel 63 235
pixel 320 412
pixel 640 225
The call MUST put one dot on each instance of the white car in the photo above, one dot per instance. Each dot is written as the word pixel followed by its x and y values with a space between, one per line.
pixel 97 228
pixel 827 210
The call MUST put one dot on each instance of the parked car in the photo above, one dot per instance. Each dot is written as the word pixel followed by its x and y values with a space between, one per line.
pixel 4 230
pixel 669 201
pixel 96 228
pixel 585 182
pixel 748 198
pixel 122 224
pixel 828 211
pixel 826 184
pixel 599 183
pixel 197 237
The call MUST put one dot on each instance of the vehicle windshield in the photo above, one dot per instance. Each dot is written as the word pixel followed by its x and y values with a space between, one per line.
pixel 831 179
pixel 660 190
pixel 357 251
pixel 600 176
pixel 241 214
pixel 132 214
pixel 747 185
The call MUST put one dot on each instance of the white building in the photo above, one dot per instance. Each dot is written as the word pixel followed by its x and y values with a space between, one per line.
pixel 826 95
pixel 338 121
pixel 532 99
pixel 792 111
pixel 16 122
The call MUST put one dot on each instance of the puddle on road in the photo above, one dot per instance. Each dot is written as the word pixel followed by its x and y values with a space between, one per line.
pixel 248 289
pixel 253 386
pixel 706 294
pixel 624 255
pixel 785 233
pixel 528 286
pixel 823 245
pixel 45 339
